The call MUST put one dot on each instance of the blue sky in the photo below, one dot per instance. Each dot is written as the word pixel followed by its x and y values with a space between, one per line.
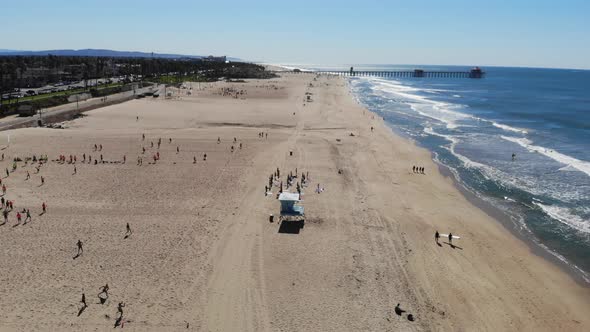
pixel 534 33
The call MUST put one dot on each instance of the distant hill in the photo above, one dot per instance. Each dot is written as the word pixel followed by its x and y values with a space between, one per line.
pixel 98 53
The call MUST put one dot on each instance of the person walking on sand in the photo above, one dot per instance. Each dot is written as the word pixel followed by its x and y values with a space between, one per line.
pixel 44 207
pixel 80 249
pixel 7 173
pixel 5 214
pixel 75 170
pixel 124 159
pixel 128 230
pixel 120 308
pixel 28 216
pixel 436 236
pixel 28 175
pixel 143 137
pixel 4 189
pixel 178 149
pixel 83 301
pixel 451 238
pixel 18 217
pixel 103 290
pixel 42 180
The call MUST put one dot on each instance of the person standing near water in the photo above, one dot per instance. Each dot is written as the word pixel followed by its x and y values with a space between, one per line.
pixel 128 230
pixel 80 249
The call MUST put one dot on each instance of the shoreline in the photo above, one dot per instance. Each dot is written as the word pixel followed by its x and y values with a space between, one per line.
pixel 500 216
pixel 578 275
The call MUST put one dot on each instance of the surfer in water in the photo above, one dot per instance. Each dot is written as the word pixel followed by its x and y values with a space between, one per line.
pixel 513 156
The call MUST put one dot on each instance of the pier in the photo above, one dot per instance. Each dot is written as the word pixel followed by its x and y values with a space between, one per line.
pixel 473 73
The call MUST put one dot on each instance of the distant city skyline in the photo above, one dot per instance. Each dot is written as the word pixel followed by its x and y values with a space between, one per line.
pixel 522 33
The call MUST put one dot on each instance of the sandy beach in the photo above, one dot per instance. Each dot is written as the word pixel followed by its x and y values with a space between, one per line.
pixel 203 255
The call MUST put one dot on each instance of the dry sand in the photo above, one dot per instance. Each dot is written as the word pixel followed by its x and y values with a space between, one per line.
pixel 203 254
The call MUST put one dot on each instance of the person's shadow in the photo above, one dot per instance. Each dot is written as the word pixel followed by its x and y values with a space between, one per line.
pixel 454 246
pixel 82 310
pixel 118 321
pixel 77 255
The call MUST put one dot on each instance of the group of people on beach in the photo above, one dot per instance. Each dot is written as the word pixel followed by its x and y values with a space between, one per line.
pixel 437 237
pixel 7 205
pixel 417 169
pixel 103 296
pixel 274 180
pixel 232 92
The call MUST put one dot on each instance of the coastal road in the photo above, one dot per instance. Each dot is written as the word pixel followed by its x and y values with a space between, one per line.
pixel 14 122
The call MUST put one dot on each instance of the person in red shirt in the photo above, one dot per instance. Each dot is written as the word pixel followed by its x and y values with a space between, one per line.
pixel 18 217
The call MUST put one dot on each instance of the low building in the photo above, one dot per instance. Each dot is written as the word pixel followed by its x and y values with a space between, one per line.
pixel 212 58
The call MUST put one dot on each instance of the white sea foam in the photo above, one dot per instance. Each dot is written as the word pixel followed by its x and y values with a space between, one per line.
pixel 438 110
pixel 580 165
pixel 431 131
pixel 565 216
pixel 508 128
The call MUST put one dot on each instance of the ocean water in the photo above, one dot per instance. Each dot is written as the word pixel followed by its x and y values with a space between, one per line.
pixel 473 126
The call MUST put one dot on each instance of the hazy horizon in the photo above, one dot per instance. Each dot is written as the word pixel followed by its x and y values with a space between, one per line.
pixel 538 34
